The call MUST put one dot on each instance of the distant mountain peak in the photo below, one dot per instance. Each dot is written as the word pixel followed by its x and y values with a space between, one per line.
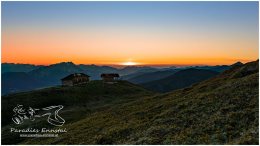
pixel 63 63
pixel 66 62
pixel 237 64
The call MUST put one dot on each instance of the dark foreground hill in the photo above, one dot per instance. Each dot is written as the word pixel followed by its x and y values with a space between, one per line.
pixel 221 110
pixel 81 95
pixel 181 79
pixel 78 101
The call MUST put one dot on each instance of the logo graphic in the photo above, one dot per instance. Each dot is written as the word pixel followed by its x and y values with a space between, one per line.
pixel 22 113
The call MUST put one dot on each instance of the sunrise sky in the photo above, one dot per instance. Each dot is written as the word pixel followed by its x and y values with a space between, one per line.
pixel 129 33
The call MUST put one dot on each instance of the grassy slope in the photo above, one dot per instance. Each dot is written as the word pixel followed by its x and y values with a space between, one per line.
pixel 151 76
pixel 181 79
pixel 78 102
pixel 222 110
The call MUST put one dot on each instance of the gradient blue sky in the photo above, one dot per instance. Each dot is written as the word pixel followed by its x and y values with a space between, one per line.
pixel 158 30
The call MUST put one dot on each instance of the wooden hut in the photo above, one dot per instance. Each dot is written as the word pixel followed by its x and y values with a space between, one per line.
pixel 110 77
pixel 75 79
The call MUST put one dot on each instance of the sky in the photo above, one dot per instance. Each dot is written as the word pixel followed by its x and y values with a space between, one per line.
pixel 130 33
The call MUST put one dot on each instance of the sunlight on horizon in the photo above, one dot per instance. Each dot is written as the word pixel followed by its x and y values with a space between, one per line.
pixel 131 33
pixel 129 63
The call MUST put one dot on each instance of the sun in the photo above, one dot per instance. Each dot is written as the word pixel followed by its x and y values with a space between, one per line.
pixel 129 63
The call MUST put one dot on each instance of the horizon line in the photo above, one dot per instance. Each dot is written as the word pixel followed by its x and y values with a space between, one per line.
pixel 100 64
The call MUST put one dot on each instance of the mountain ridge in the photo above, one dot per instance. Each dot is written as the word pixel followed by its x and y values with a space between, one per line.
pixel 220 110
pixel 180 79
pixel 50 75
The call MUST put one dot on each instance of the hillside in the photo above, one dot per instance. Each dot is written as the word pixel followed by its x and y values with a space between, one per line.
pixel 39 77
pixel 46 76
pixel 18 81
pixel 52 74
pixel 181 79
pixel 132 75
pixel 146 77
pixel 152 76
pixel 13 67
pixel 222 110
pixel 83 95
pixel 217 68
pixel 78 102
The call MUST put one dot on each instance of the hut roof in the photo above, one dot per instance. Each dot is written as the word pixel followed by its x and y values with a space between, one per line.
pixel 109 75
pixel 71 76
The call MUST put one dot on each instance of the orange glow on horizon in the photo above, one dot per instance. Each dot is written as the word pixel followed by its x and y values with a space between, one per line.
pixel 129 34
pixel 129 63
pixel 54 46
pixel 176 62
